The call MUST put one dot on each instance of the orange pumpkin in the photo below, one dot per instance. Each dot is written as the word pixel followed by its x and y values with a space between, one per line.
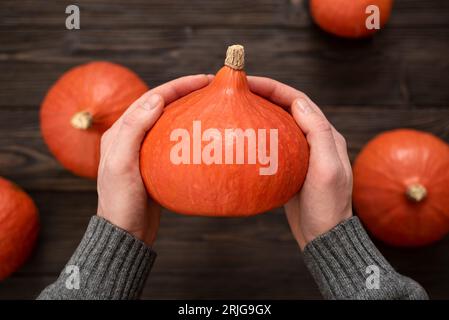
pixel 206 181
pixel 19 226
pixel 401 192
pixel 81 106
pixel 347 18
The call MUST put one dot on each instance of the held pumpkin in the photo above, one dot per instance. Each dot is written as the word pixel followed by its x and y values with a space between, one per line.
pixel 212 179
pixel 347 18
pixel 19 226
pixel 401 192
pixel 81 106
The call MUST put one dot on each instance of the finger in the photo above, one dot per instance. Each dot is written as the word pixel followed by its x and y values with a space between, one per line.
pixel 342 150
pixel 278 92
pixel 170 91
pixel 180 87
pixel 105 146
pixel 136 123
pixel 285 95
pixel 275 91
pixel 318 132
pixel 291 211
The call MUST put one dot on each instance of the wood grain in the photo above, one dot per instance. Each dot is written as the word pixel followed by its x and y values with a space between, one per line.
pixel 396 79
pixel 247 257
pixel 389 70
pixel 110 14
pixel 25 158
pixel 206 258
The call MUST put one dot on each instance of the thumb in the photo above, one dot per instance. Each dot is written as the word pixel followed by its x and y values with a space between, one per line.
pixel 317 129
pixel 142 115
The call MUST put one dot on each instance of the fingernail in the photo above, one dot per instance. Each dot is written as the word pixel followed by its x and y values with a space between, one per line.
pixel 152 102
pixel 303 106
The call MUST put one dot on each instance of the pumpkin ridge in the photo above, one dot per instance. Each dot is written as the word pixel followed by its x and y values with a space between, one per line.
pixel 399 184
pixel 442 212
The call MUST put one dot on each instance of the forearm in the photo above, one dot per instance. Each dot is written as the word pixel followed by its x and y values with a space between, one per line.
pixel 346 265
pixel 112 264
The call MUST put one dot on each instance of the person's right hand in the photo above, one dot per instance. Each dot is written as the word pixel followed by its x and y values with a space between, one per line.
pixel 122 198
pixel 325 198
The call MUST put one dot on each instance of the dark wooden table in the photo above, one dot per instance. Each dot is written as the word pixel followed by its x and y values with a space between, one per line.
pixel 399 78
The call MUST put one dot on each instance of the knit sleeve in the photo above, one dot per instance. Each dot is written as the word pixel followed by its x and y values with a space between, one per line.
pixel 346 265
pixel 109 263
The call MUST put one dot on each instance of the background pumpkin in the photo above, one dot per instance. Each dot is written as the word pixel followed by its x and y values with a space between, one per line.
pixel 401 192
pixel 19 227
pixel 347 18
pixel 82 105
pixel 223 189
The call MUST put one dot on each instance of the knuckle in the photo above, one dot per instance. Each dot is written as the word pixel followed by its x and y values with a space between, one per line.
pixel 105 137
pixel 109 166
pixel 302 95
pixel 341 139
pixel 350 178
pixel 330 175
pixel 130 120
pixel 322 126
pixel 115 167
pixel 104 141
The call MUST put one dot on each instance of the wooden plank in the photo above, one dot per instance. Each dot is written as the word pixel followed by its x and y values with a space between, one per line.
pixel 207 258
pixel 359 125
pixel 142 13
pixel 253 258
pixel 389 70
pixel 25 159
pixel 411 13
pixel 396 79
pixel 229 13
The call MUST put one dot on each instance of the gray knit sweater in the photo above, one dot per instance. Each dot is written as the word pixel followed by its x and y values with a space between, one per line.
pixel 110 263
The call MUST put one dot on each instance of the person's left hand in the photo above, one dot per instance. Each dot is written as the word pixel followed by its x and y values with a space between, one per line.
pixel 324 200
pixel 122 198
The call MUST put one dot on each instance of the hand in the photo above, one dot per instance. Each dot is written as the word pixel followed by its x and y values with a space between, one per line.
pixel 122 198
pixel 325 198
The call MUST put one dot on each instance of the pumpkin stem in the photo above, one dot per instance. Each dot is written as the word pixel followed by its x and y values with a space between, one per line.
pixel 82 120
pixel 235 57
pixel 416 192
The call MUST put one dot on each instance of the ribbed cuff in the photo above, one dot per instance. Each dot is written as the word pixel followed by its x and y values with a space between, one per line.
pixel 112 264
pixel 342 259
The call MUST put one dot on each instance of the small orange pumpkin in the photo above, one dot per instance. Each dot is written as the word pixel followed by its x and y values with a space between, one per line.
pixel 198 185
pixel 19 226
pixel 81 106
pixel 401 187
pixel 347 18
